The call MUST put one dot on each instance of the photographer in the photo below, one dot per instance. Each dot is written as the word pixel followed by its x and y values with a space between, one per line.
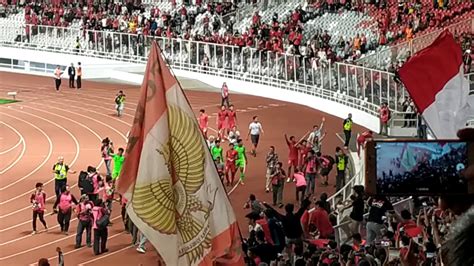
pixel 89 183
pixel 107 150
pixel 84 216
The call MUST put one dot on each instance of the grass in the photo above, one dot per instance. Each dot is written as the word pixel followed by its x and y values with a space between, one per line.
pixel 7 101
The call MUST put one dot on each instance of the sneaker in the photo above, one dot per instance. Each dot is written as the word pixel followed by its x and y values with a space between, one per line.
pixel 77 246
pixel 288 180
pixel 66 233
pixel 89 245
pixel 141 250
pixel 267 190
pixel 33 233
pixel 105 250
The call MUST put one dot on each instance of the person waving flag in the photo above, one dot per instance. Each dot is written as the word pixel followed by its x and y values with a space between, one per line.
pixel 174 191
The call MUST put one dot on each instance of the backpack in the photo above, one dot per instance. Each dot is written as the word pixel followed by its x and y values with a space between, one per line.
pixel 86 183
pixel 103 221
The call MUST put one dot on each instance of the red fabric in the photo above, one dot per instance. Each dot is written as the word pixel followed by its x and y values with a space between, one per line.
pixel 268 236
pixel 428 71
pixel 293 150
pixel 320 219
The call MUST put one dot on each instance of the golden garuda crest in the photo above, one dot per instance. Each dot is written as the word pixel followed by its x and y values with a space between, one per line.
pixel 171 205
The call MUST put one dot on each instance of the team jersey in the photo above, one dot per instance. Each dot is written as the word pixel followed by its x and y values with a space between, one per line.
pixel 241 152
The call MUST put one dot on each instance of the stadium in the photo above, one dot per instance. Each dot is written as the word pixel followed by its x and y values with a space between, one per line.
pixel 234 133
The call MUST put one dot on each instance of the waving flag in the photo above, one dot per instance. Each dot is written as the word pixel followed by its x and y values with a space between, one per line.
pixel 434 78
pixel 175 195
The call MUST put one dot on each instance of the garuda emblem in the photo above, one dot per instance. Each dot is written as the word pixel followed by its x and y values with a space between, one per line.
pixel 171 205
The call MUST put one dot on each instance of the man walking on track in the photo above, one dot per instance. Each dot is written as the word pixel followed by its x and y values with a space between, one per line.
pixel 255 129
pixel 203 122
pixel 341 164
pixel 71 71
pixel 60 170
pixel 225 95
pixel 119 103
pixel 84 216
pixel 79 75
pixel 347 126
pixel 241 162
pixel 57 77
pixel 38 199
pixel 230 165
pixel 221 119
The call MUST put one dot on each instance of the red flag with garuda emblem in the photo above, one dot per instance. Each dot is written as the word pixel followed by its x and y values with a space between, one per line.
pixel 175 195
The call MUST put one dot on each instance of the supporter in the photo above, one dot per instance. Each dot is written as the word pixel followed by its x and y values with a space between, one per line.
pixel 311 169
pixel 271 162
pixel 300 181
pixel 292 157
pixel 378 208
pixel 384 116
pixel 319 219
pixel 254 204
pixel 362 140
pixel 278 182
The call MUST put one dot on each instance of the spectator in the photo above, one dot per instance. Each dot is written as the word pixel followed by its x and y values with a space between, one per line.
pixel 318 218
pixel 378 208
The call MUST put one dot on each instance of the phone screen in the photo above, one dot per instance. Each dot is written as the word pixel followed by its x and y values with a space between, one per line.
pixel 421 167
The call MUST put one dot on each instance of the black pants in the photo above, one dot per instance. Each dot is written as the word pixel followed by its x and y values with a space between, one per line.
pixel 125 218
pixel 347 134
pixel 63 220
pixel 71 82
pixel 100 240
pixel 40 215
pixel 300 190
pixel 58 83
pixel 87 225
pixel 225 100
pixel 79 83
pixel 93 198
pixel 58 184
pixel 340 179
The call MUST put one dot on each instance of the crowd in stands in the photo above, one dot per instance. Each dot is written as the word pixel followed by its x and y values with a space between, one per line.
pixel 284 34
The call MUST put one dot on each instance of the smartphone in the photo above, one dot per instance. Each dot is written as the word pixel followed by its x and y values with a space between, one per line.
pixel 418 168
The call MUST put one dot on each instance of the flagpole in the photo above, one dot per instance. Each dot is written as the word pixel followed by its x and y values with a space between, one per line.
pixel 215 167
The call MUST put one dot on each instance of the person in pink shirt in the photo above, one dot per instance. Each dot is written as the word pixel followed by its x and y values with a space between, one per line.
pixel 64 208
pixel 384 116
pixel 84 217
pixel 38 199
pixel 300 184
pixel 203 122
pixel 225 95
pixel 100 233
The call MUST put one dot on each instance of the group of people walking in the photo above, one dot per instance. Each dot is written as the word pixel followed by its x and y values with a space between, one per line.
pixel 94 206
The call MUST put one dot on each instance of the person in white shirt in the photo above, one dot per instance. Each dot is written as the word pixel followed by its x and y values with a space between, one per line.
pixel 255 130
pixel 315 135
pixel 233 135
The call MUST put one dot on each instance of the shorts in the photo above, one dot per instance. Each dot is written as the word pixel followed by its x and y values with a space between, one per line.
pixel 115 175
pixel 325 171
pixel 240 163
pixel 231 167
pixel 220 125
pixel 254 139
pixel 231 125
pixel 204 130
pixel 119 107
pixel 293 162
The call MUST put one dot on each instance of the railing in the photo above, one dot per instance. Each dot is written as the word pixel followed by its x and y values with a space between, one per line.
pixel 382 57
pixel 355 86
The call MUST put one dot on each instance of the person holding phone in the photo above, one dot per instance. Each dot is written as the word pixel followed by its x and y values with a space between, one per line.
pixel 38 199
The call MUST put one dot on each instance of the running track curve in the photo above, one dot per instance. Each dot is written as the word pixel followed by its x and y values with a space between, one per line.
pixel 71 123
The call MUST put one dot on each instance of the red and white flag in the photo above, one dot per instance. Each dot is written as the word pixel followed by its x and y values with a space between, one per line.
pixel 434 78
pixel 175 195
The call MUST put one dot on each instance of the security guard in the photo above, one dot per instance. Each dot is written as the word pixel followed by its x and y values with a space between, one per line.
pixel 60 170
pixel 341 163
pixel 347 125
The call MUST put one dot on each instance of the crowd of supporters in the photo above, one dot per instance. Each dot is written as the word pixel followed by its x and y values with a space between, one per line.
pixel 284 34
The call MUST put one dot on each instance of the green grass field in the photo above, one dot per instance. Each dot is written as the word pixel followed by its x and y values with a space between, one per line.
pixel 7 101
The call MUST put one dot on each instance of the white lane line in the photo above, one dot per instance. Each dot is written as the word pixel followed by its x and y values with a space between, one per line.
pixel 20 141
pixel 50 151
pixel 23 150
pixel 73 236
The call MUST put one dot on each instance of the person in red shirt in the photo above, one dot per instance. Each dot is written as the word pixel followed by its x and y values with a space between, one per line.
pixel 231 118
pixel 231 156
pixel 304 149
pixel 292 156
pixel 318 218
pixel 221 117
pixel 384 115
pixel 203 122
pixel 362 139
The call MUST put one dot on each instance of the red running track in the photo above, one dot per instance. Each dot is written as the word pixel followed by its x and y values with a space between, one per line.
pixel 47 124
